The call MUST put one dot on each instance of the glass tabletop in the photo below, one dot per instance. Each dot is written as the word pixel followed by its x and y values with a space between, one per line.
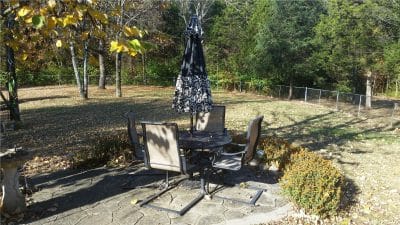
pixel 203 139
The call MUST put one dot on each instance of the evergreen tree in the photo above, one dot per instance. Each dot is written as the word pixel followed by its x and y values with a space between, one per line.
pixel 227 48
pixel 284 41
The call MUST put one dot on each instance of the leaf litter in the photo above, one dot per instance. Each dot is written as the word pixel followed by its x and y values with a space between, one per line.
pixel 56 124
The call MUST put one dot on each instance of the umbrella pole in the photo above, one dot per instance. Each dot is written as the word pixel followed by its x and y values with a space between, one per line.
pixel 191 123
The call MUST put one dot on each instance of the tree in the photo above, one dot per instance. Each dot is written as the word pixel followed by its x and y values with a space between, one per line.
pixel 73 22
pixel 352 37
pixel 200 8
pixel 102 68
pixel 69 22
pixel 128 14
pixel 392 65
pixel 284 41
pixel 229 40
pixel 12 84
pixel 391 21
pixel 124 15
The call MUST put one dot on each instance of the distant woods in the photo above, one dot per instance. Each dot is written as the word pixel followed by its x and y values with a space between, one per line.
pixel 337 45
pixel 346 45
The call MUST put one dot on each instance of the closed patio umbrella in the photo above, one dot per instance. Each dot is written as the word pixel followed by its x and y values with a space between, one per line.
pixel 193 92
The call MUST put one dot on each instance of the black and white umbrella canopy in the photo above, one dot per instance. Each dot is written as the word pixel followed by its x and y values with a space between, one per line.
pixel 193 92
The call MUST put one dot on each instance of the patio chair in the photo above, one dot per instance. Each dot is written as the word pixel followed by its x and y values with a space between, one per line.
pixel 162 152
pixel 138 148
pixel 213 121
pixel 235 160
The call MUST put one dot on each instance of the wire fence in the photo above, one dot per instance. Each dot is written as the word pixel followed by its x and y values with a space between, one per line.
pixel 347 102
pixel 386 109
pixel 334 99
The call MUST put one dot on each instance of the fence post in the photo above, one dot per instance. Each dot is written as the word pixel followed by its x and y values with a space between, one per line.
pixel 279 95
pixel 319 97
pixel 337 100
pixel 305 95
pixel 359 106
pixel 396 105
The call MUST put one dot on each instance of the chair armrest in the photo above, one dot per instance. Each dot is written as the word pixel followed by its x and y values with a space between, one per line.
pixel 234 147
pixel 238 144
pixel 233 153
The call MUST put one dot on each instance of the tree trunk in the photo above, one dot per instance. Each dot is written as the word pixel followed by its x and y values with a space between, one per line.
pixel 368 92
pixel 102 78
pixel 118 56
pixel 387 85
pixel 118 91
pixel 397 87
pixel 76 71
pixel 143 69
pixel 12 84
pixel 85 74
pixel 290 90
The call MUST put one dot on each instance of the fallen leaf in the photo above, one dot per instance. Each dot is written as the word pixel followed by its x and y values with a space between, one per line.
pixel 59 43
pixel 134 201
pixel 243 185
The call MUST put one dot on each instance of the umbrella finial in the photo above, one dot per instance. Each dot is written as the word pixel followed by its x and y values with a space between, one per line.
pixel 194 27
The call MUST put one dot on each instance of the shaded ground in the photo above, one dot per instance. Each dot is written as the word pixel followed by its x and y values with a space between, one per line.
pixel 109 195
pixel 57 124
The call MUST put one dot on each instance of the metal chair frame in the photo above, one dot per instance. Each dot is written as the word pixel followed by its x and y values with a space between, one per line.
pixel 183 170
pixel 246 155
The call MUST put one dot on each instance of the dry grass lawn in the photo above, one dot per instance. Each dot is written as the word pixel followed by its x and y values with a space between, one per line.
pixel 57 124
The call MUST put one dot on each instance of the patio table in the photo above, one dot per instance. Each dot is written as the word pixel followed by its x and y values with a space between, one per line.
pixel 202 140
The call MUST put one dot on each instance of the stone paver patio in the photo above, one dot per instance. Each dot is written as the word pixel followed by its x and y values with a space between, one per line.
pixel 107 196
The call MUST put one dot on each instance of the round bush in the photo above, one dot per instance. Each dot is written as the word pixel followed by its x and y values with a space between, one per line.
pixel 277 151
pixel 313 183
pixel 111 149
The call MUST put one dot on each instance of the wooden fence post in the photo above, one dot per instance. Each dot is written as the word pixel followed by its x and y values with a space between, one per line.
pixel 395 107
pixel 279 94
pixel 319 98
pixel 305 95
pixel 359 106
pixel 337 100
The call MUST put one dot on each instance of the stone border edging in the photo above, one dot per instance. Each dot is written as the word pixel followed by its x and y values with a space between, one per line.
pixel 258 218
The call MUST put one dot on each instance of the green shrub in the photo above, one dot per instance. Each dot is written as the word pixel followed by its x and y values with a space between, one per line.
pixel 223 79
pixel 255 84
pixel 110 149
pixel 55 74
pixel 277 151
pixel 162 73
pixel 313 183
pixel 129 76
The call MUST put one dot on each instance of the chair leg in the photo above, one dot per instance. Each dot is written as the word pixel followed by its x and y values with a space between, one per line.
pixel 145 203
pixel 253 200
pixel 207 181
pixel 158 194
pixel 145 174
